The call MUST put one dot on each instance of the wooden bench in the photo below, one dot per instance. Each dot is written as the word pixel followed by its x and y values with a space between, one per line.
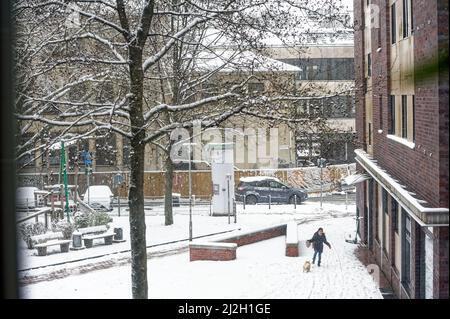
pixel 212 251
pixel 292 239
pixel 41 242
pixel 96 232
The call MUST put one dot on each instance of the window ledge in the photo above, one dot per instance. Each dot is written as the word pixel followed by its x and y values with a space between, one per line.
pixel 401 140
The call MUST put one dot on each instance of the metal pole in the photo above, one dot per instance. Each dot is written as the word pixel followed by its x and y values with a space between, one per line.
pixel 190 195
pixel 88 183
pixel 228 197
pixel 295 201
pixel 270 201
pixel 346 201
pixel 76 184
pixel 321 185
pixel 245 200
pixel 118 200
pixel 235 211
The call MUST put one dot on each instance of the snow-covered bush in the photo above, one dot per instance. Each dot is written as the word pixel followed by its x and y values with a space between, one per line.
pixel 88 219
pixel 65 227
pixel 31 229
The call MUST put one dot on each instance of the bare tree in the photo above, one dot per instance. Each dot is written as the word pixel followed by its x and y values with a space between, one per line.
pixel 93 67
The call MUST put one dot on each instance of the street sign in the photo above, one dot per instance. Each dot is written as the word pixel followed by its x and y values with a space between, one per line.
pixel 321 162
pixel 87 158
pixel 118 179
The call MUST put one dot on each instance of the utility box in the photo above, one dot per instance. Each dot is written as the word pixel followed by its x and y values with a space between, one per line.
pixel 222 173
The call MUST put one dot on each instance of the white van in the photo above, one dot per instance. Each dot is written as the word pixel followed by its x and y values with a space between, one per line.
pixel 25 197
pixel 99 196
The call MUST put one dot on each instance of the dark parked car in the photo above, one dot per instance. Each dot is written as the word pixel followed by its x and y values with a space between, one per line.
pixel 257 190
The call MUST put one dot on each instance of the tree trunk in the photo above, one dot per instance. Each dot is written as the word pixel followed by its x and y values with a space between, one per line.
pixel 136 191
pixel 168 213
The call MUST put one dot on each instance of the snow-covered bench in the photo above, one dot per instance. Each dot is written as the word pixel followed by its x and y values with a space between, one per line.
pixel 212 251
pixel 41 242
pixel 292 239
pixel 96 232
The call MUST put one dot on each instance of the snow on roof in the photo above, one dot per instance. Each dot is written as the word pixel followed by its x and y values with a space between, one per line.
pixel 228 60
pixel 258 179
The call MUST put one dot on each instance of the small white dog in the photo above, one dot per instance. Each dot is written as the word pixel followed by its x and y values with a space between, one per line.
pixel 307 266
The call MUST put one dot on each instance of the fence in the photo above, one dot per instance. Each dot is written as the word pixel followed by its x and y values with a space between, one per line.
pixel 305 177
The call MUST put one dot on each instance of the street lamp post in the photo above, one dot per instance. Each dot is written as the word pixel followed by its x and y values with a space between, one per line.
pixel 321 163
pixel 190 188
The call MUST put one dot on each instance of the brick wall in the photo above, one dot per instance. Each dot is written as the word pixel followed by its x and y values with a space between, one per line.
pixel 212 253
pixel 424 169
pixel 253 237
pixel 292 250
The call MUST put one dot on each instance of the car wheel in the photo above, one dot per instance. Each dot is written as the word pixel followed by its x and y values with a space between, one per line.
pixel 251 200
pixel 292 200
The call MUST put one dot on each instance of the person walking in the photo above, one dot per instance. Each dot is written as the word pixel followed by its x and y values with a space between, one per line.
pixel 318 240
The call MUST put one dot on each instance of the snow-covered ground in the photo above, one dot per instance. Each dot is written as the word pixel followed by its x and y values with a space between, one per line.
pixel 252 217
pixel 261 270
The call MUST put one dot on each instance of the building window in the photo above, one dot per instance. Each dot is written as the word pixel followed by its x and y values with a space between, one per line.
pixel 385 201
pixel 370 133
pixel 255 88
pixel 406 251
pixel 380 104
pixel 404 116
pixel 394 214
pixel 369 65
pixel 391 129
pixel 105 150
pixel 405 18
pixel 393 24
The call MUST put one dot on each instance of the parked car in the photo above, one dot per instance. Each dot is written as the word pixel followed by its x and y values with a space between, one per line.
pixel 257 190
pixel 25 197
pixel 99 197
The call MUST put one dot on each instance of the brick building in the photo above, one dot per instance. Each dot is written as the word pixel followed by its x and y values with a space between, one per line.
pixel 402 124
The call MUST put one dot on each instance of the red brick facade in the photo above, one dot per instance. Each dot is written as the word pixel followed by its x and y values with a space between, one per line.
pixel 212 253
pixel 424 168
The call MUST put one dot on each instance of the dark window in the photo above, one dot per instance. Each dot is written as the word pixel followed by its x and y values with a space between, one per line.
pixel 391 115
pixel 405 18
pixel 255 87
pixel 385 201
pixel 105 150
pixel 393 24
pixel 126 151
pixel 369 65
pixel 263 184
pixel 414 118
pixel 404 116
pixel 406 251
pixel 370 133
pixel 394 214
pixel 380 103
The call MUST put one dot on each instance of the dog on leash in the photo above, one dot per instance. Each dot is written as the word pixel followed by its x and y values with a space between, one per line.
pixel 307 266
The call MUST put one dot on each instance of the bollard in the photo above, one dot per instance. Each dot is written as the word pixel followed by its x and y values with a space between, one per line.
pixel 295 201
pixel 270 201
pixel 245 200
pixel 118 235
pixel 77 242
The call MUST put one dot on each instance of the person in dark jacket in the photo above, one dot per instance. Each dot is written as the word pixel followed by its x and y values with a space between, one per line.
pixel 318 240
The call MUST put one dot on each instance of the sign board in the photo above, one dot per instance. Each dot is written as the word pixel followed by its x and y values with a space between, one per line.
pixel 118 179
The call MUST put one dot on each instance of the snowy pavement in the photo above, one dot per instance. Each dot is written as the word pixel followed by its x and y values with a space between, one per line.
pixel 252 217
pixel 261 270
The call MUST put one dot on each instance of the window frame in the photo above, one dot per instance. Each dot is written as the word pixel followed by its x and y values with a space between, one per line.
pixel 393 23
pixel 404 131
pixel 391 127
